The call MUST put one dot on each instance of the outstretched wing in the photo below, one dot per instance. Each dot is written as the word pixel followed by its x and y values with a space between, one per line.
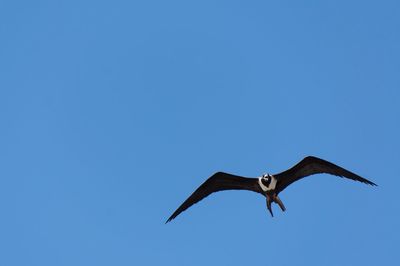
pixel 313 165
pixel 217 182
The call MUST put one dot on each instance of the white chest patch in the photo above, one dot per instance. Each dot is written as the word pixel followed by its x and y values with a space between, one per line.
pixel 271 186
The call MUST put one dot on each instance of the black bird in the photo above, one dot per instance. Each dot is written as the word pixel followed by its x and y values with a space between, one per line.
pixel 268 185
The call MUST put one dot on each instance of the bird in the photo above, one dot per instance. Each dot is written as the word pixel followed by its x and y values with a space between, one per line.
pixel 267 185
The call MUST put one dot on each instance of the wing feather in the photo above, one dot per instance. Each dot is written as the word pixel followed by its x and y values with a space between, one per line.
pixel 313 165
pixel 217 182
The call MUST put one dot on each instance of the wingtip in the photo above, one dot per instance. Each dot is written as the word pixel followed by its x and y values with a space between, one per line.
pixel 368 182
pixel 170 219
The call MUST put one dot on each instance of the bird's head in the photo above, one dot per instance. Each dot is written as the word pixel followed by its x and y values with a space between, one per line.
pixel 266 177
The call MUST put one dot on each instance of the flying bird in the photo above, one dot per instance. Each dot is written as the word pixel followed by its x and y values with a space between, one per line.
pixel 268 185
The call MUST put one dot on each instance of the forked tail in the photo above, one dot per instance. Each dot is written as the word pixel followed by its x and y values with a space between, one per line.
pixel 269 205
pixel 277 200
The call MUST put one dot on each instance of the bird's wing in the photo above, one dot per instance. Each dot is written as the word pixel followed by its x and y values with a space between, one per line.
pixel 313 165
pixel 217 182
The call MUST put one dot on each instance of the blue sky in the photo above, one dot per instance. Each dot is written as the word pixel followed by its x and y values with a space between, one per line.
pixel 113 112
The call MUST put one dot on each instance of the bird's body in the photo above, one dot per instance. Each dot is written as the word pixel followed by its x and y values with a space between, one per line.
pixel 268 185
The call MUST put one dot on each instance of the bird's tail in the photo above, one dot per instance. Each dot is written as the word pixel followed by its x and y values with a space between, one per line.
pixel 279 202
pixel 269 206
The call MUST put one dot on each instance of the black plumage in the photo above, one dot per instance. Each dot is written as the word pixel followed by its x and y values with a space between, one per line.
pixel 268 185
pixel 312 165
pixel 218 182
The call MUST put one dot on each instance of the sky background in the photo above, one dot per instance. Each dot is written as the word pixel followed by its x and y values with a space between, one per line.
pixel 113 112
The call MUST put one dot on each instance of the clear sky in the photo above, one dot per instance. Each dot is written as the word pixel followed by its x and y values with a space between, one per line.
pixel 113 112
